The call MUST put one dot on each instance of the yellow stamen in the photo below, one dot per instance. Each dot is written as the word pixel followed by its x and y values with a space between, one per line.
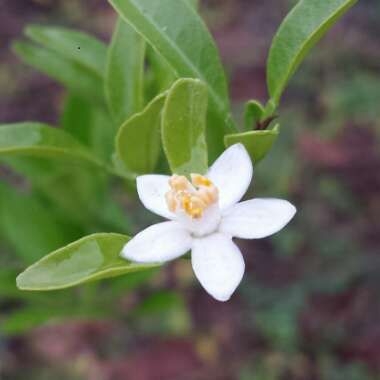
pixel 192 197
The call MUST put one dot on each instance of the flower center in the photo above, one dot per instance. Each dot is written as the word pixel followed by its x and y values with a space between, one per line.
pixel 192 197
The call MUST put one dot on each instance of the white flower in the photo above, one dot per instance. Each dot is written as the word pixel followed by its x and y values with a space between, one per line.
pixel 204 217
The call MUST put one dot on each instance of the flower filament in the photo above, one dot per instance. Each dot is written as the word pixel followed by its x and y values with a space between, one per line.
pixel 192 197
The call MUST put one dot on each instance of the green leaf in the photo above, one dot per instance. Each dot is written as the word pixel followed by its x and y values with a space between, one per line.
pixel 90 125
pixel 163 75
pixel 138 140
pixel 29 226
pixel 92 258
pixel 125 72
pixel 73 45
pixel 183 127
pixel 67 72
pixel 254 112
pixel 41 140
pixel 257 143
pixel 300 31
pixel 175 30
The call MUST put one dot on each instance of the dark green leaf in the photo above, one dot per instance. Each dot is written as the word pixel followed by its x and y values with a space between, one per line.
pixel 257 143
pixel 125 72
pixel 183 127
pixel 299 32
pixel 138 140
pixel 89 124
pixel 92 258
pixel 28 225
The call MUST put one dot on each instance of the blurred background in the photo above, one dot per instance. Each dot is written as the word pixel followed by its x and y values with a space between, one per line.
pixel 309 305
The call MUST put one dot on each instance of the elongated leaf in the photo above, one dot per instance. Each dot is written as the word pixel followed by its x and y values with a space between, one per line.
pixel 73 45
pixel 29 226
pixel 183 127
pixel 92 258
pixel 163 74
pixel 174 29
pixel 90 125
pixel 138 140
pixel 69 73
pixel 125 72
pixel 76 118
pixel 41 140
pixel 300 31
pixel 257 143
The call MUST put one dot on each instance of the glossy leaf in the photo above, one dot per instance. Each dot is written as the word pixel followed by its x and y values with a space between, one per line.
pixel 73 45
pixel 125 72
pixel 28 225
pixel 138 140
pixel 174 30
pixel 67 72
pixel 257 143
pixel 300 31
pixel 92 258
pixel 184 125
pixel 254 112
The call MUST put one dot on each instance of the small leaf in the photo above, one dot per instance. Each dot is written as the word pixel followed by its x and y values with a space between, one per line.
pixel 125 72
pixel 183 127
pixel 257 143
pixel 92 258
pixel 300 31
pixel 69 73
pixel 254 112
pixel 73 45
pixel 175 30
pixel 138 140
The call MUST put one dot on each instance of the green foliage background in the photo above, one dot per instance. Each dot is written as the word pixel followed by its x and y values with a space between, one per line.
pixel 308 307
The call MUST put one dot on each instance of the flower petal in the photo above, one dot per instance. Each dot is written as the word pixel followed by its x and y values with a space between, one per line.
pixel 158 243
pixel 151 190
pixel 231 173
pixel 218 265
pixel 257 218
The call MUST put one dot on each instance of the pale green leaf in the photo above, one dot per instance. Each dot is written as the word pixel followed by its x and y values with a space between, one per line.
pixel 138 140
pixel 92 258
pixel 300 31
pixel 125 72
pixel 257 143
pixel 183 127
